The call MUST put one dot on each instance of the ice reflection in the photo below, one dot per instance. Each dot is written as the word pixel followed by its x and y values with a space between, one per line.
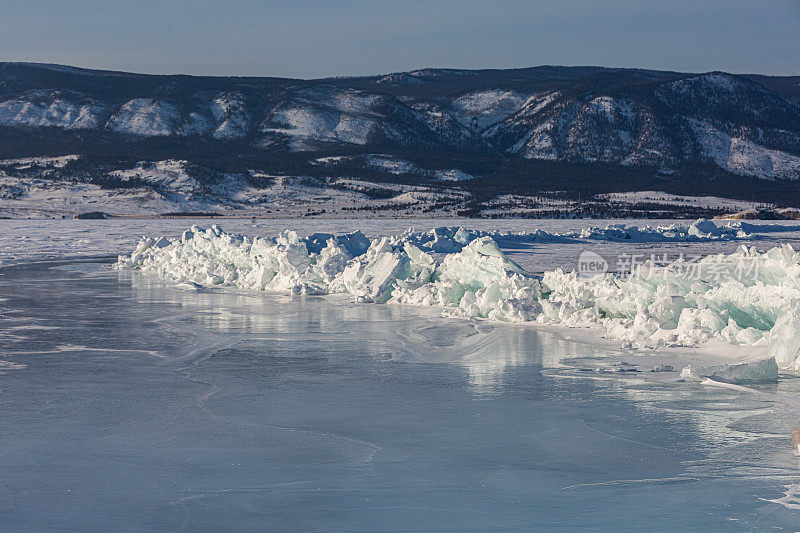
pixel 487 352
pixel 742 435
pixel 250 312
pixel 714 410
pixel 399 333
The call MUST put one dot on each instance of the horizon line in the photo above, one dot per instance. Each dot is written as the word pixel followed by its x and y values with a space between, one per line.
pixel 45 64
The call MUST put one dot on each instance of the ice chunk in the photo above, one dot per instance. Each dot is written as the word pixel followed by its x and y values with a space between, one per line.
pixel 662 368
pixel 784 343
pixel 748 298
pixel 372 277
pixel 750 372
pixel 353 243
pixel 480 281
pixel 704 228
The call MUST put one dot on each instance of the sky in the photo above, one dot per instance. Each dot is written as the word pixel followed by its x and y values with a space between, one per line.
pixel 306 39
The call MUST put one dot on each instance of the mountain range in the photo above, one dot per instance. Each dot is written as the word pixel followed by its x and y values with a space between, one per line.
pixel 471 139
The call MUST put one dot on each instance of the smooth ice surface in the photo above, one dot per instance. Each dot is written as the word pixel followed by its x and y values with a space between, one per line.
pixel 131 404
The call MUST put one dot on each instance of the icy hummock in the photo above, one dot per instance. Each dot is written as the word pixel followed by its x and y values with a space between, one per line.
pixel 747 372
pixel 748 298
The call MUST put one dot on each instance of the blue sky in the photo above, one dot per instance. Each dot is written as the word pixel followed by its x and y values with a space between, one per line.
pixel 315 39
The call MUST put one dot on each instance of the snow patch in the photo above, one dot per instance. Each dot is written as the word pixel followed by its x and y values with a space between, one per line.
pixel 325 115
pixel 195 124
pixel 230 113
pixel 658 197
pixel 743 157
pixel 481 109
pixel 391 164
pixel 44 162
pixel 146 117
pixel 51 110
pixel 169 174
pixel 453 175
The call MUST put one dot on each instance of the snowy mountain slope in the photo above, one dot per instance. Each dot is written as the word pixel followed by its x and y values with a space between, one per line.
pixel 310 114
pixel 444 124
pixel 400 78
pixel 166 175
pixel 483 108
pixel 518 130
pixel 725 98
pixel 601 128
pixel 741 156
pixel 308 117
pixel 740 126
pixel 147 117
pixel 53 109
pixel 230 113
pixel 38 188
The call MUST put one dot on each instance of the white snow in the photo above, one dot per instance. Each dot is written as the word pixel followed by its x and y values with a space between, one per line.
pixel 539 101
pixel 481 109
pixel 395 165
pixel 744 157
pixel 43 198
pixel 169 175
pixel 400 78
pixel 45 162
pixel 157 187
pixel 147 117
pixel 453 175
pixel 195 124
pixel 324 114
pixel 711 202
pixel 391 164
pixel 713 86
pixel 302 192
pixel 510 205
pixel 231 115
pixel 50 110
pixel 321 125
pixel 443 122
pixel 537 142
pixel 616 112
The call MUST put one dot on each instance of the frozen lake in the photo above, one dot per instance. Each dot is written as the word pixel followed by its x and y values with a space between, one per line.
pixel 127 404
